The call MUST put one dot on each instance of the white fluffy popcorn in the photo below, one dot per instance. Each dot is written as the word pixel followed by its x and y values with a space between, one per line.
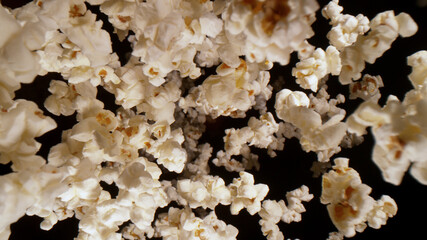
pixel 182 223
pixel 319 133
pixel 206 192
pixel 231 92
pixel 418 62
pixel 398 131
pixel 345 28
pixel 246 194
pixel 310 70
pixel 273 29
pixel 385 28
pixel 20 124
pixel 165 108
pixel 17 63
pixel 272 212
pixel 25 190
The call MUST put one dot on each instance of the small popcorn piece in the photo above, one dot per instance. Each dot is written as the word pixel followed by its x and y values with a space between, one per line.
pixel 367 89
pixel 171 155
pixel 286 100
pixel 383 209
pixel 246 195
pixel 309 71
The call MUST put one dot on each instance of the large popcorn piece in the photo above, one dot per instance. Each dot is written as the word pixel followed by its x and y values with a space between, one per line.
pixel 83 24
pixel 246 195
pixel 168 35
pixel 317 134
pixel 28 191
pixel 232 91
pixel 183 224
pixel 20 124
pixel 272 29
pixel 17 63
pixel 399 131
pixel 348 202
pixel 33 184
pixel 418 62
pixel 207 192
pixel 385 28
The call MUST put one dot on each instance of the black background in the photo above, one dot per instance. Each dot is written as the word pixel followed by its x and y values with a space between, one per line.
pixel 290 169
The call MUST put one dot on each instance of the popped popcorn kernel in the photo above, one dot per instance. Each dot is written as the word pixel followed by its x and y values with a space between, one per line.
pixel 348 202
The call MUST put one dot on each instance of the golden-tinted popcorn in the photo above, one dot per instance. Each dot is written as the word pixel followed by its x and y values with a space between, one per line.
pixel 367 89
pixel 348 202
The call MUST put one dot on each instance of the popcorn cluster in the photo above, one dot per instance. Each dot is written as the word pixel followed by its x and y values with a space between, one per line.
pixel 163 113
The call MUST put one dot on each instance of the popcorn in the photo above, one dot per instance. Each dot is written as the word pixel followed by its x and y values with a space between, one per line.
pixel 316 135
pixel 258 133
pixel 18 63
pixel 310 70
pixel 230 93
pixel 27 189
pixel 98 47
pixel 286 100
pixel 418 62
pixel 399 135
pixel 345 28
pixel 64 97
pixel 265 24
pixel 171 155
pixel 246 195
pixel 383 209
pixel 119 13
pixel 348 202
pixel 206 192
pixel 19 126
pixel 272 212
pixel 165 108
pixel 182 223
pixel 367 89
pixel 385 28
